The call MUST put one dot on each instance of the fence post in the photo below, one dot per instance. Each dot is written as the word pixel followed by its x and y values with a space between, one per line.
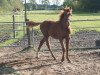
pixel 28 34
pixel 32 38
pixel 13 26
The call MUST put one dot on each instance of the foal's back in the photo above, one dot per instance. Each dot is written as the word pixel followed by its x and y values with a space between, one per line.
pixel 53 29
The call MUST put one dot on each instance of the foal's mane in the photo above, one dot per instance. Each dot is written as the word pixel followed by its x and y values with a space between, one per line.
pixel 61 16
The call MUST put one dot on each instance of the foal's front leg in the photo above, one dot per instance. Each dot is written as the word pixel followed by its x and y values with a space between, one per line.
pixel 63 49
pixel 67 48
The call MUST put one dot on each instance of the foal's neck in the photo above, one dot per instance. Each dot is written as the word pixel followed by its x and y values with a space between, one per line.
pixel 65 22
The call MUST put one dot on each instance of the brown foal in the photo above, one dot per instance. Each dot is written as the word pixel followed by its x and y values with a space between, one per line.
pixel 56 29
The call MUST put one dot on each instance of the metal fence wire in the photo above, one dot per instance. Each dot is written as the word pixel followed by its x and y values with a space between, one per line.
pixel 13 34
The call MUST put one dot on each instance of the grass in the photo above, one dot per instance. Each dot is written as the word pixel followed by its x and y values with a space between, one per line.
pixel 84 16
pixel 40 16
pixel 88 25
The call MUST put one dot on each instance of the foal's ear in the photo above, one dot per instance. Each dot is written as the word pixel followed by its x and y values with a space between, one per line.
pixel 70 8
pixel 64 9
pixel 67 8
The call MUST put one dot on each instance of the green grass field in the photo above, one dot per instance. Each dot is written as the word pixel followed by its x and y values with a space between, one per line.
pixel 40 16
pixel 77 16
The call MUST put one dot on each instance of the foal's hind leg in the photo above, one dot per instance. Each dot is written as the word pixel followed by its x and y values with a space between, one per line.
pixel 47 43
pixel 40 45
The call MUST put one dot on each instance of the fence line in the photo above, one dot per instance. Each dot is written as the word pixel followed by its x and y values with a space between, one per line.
pixel 76 41
pixel 12 22
pixel 28 36
pixel 71 21
pixel 85 20
pixel 13 33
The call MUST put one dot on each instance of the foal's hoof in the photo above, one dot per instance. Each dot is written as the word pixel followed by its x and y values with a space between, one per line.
pixel 54 58
pixel 37 57
pixel 62 60
pixel 69 61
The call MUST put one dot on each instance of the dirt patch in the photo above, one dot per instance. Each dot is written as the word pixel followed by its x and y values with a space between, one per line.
pixel 25 63
pixel 85 38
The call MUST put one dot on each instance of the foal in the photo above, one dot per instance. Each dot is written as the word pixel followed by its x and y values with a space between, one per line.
pixel 56 29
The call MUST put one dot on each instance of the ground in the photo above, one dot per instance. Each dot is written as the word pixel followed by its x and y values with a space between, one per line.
pixel 13 61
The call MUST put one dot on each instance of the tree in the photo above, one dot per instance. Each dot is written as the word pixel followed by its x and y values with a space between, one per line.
pixel 9 5
pixel 56 3
pixel 89 5
pixel 68 3
pixel 45 3
pixel 16 3
pixel 83 5
pixel 33 4
pixel 4 5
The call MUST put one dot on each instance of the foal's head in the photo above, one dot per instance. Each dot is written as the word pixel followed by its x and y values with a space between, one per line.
pixel 67 12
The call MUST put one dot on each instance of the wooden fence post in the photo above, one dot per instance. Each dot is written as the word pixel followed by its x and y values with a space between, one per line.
pixel 28 34
pixel 14 35
pixel 32 38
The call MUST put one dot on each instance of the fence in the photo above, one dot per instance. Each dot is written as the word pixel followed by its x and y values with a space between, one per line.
pixel 15 34
pixel 82 37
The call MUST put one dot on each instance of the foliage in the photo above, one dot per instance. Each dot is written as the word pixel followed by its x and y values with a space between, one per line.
pixel 4 5
pixel 83 5
pixel 16 3
pixel 89 5
pixel 56 2
pixel 45 3
pixel 68 3
pixel 42 7
pixel 32 5
pixel 9 5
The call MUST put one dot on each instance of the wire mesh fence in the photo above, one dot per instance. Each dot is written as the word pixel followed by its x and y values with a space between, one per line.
pixel 13 35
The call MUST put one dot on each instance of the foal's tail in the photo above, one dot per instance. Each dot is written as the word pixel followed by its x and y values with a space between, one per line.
pixel 32 24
